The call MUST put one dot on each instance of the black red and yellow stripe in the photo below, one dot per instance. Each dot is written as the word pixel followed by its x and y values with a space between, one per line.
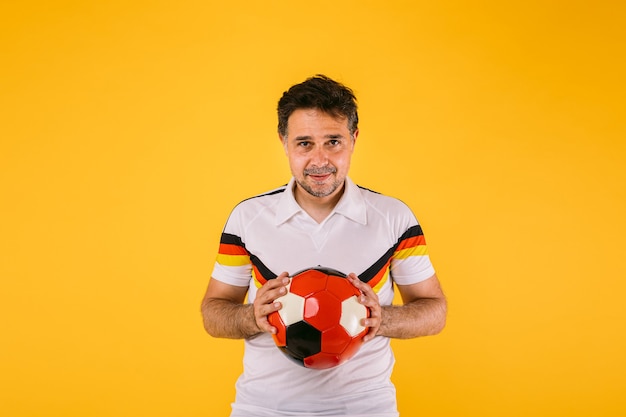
pixel 411 243
pixel 233 253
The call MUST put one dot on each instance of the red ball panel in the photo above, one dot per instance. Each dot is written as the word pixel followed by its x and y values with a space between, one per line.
pixel 353 347
pixel 308 282
pixel 335 340
pixel 280 338
pixel 328 304
pixel 341 287
pixel 323 361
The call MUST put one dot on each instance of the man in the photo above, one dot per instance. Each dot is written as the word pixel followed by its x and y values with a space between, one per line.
pixel 321 218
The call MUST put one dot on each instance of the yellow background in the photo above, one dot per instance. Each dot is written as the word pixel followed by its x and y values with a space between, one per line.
pixel 129 130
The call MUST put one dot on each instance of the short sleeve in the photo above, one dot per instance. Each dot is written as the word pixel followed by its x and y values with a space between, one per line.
pixel 410 262
pixel 232 264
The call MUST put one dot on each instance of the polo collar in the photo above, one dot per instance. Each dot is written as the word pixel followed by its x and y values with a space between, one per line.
pixel 351 205
pixel 287 205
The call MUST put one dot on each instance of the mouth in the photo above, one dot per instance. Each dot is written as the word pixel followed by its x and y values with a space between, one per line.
pixel 319 177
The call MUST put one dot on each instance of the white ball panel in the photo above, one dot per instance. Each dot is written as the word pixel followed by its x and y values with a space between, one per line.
pixel 293 307
pixel 352 312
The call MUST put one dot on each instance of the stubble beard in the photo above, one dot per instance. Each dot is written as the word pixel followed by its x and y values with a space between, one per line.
pixel 323 192
pixel 326 190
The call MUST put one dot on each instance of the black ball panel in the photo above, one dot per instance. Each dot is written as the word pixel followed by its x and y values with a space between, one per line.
pixel 303 340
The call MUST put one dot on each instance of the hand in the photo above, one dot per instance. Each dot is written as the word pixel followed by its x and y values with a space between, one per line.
pixel 264 303
pixel 369 299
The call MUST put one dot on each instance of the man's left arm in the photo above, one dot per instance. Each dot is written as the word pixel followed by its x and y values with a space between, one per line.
pixel 422 313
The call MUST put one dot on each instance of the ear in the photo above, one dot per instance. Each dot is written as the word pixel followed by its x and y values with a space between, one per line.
pixel 283 141
pixel 354 136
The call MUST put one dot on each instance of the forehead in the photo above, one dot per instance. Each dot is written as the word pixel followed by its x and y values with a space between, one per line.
pixel 315 120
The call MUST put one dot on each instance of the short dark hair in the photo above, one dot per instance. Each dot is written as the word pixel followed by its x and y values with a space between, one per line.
pixel 321 93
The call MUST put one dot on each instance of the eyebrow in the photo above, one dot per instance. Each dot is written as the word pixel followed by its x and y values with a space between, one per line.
pixel 300 138
pixel 329 136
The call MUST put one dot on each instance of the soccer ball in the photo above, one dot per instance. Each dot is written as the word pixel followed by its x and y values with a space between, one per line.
pixel 319 324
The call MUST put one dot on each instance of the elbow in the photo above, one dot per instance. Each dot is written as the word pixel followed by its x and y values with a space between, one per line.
pixel 438 328
pixel 208 328
pixel 212 329
pixel 441 318
pixel 208 324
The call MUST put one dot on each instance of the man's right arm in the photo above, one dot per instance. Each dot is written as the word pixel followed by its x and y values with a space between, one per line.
pixel 225 315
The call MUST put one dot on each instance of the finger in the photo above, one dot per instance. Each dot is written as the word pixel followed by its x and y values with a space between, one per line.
pixel 360 285
pixel 373 323
pixel 261 313
pixel 280 281
pixel 280 288
pixel 355 281
pixel 265 326
pixel 273 289
pixel 368 298
pixel 371 333
pixel 265 304
pixel 369 336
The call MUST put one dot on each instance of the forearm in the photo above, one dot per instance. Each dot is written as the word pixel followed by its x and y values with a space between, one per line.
pixel 223 318
pixel 423 317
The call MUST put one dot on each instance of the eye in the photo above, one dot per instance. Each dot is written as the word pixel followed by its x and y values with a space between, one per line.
pixel 304 144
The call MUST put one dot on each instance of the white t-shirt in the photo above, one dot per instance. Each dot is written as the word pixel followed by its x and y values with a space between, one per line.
pixel 376 237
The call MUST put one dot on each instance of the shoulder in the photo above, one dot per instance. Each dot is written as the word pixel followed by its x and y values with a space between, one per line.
pixel 382 202
pixel 252 209
pixel 259 200
pixel 390 213
pixel 266 196
pixel 249 209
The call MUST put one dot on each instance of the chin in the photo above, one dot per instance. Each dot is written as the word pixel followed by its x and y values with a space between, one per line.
pixel 324 191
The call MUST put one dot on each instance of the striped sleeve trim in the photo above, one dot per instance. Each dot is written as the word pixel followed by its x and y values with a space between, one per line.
pixel 411 243
pixel 411 246
pixel 233 253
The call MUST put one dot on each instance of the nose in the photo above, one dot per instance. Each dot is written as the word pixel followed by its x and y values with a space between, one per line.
pixel 319 157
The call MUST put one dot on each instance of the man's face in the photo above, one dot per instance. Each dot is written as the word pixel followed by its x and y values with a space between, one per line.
pixel 319 147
